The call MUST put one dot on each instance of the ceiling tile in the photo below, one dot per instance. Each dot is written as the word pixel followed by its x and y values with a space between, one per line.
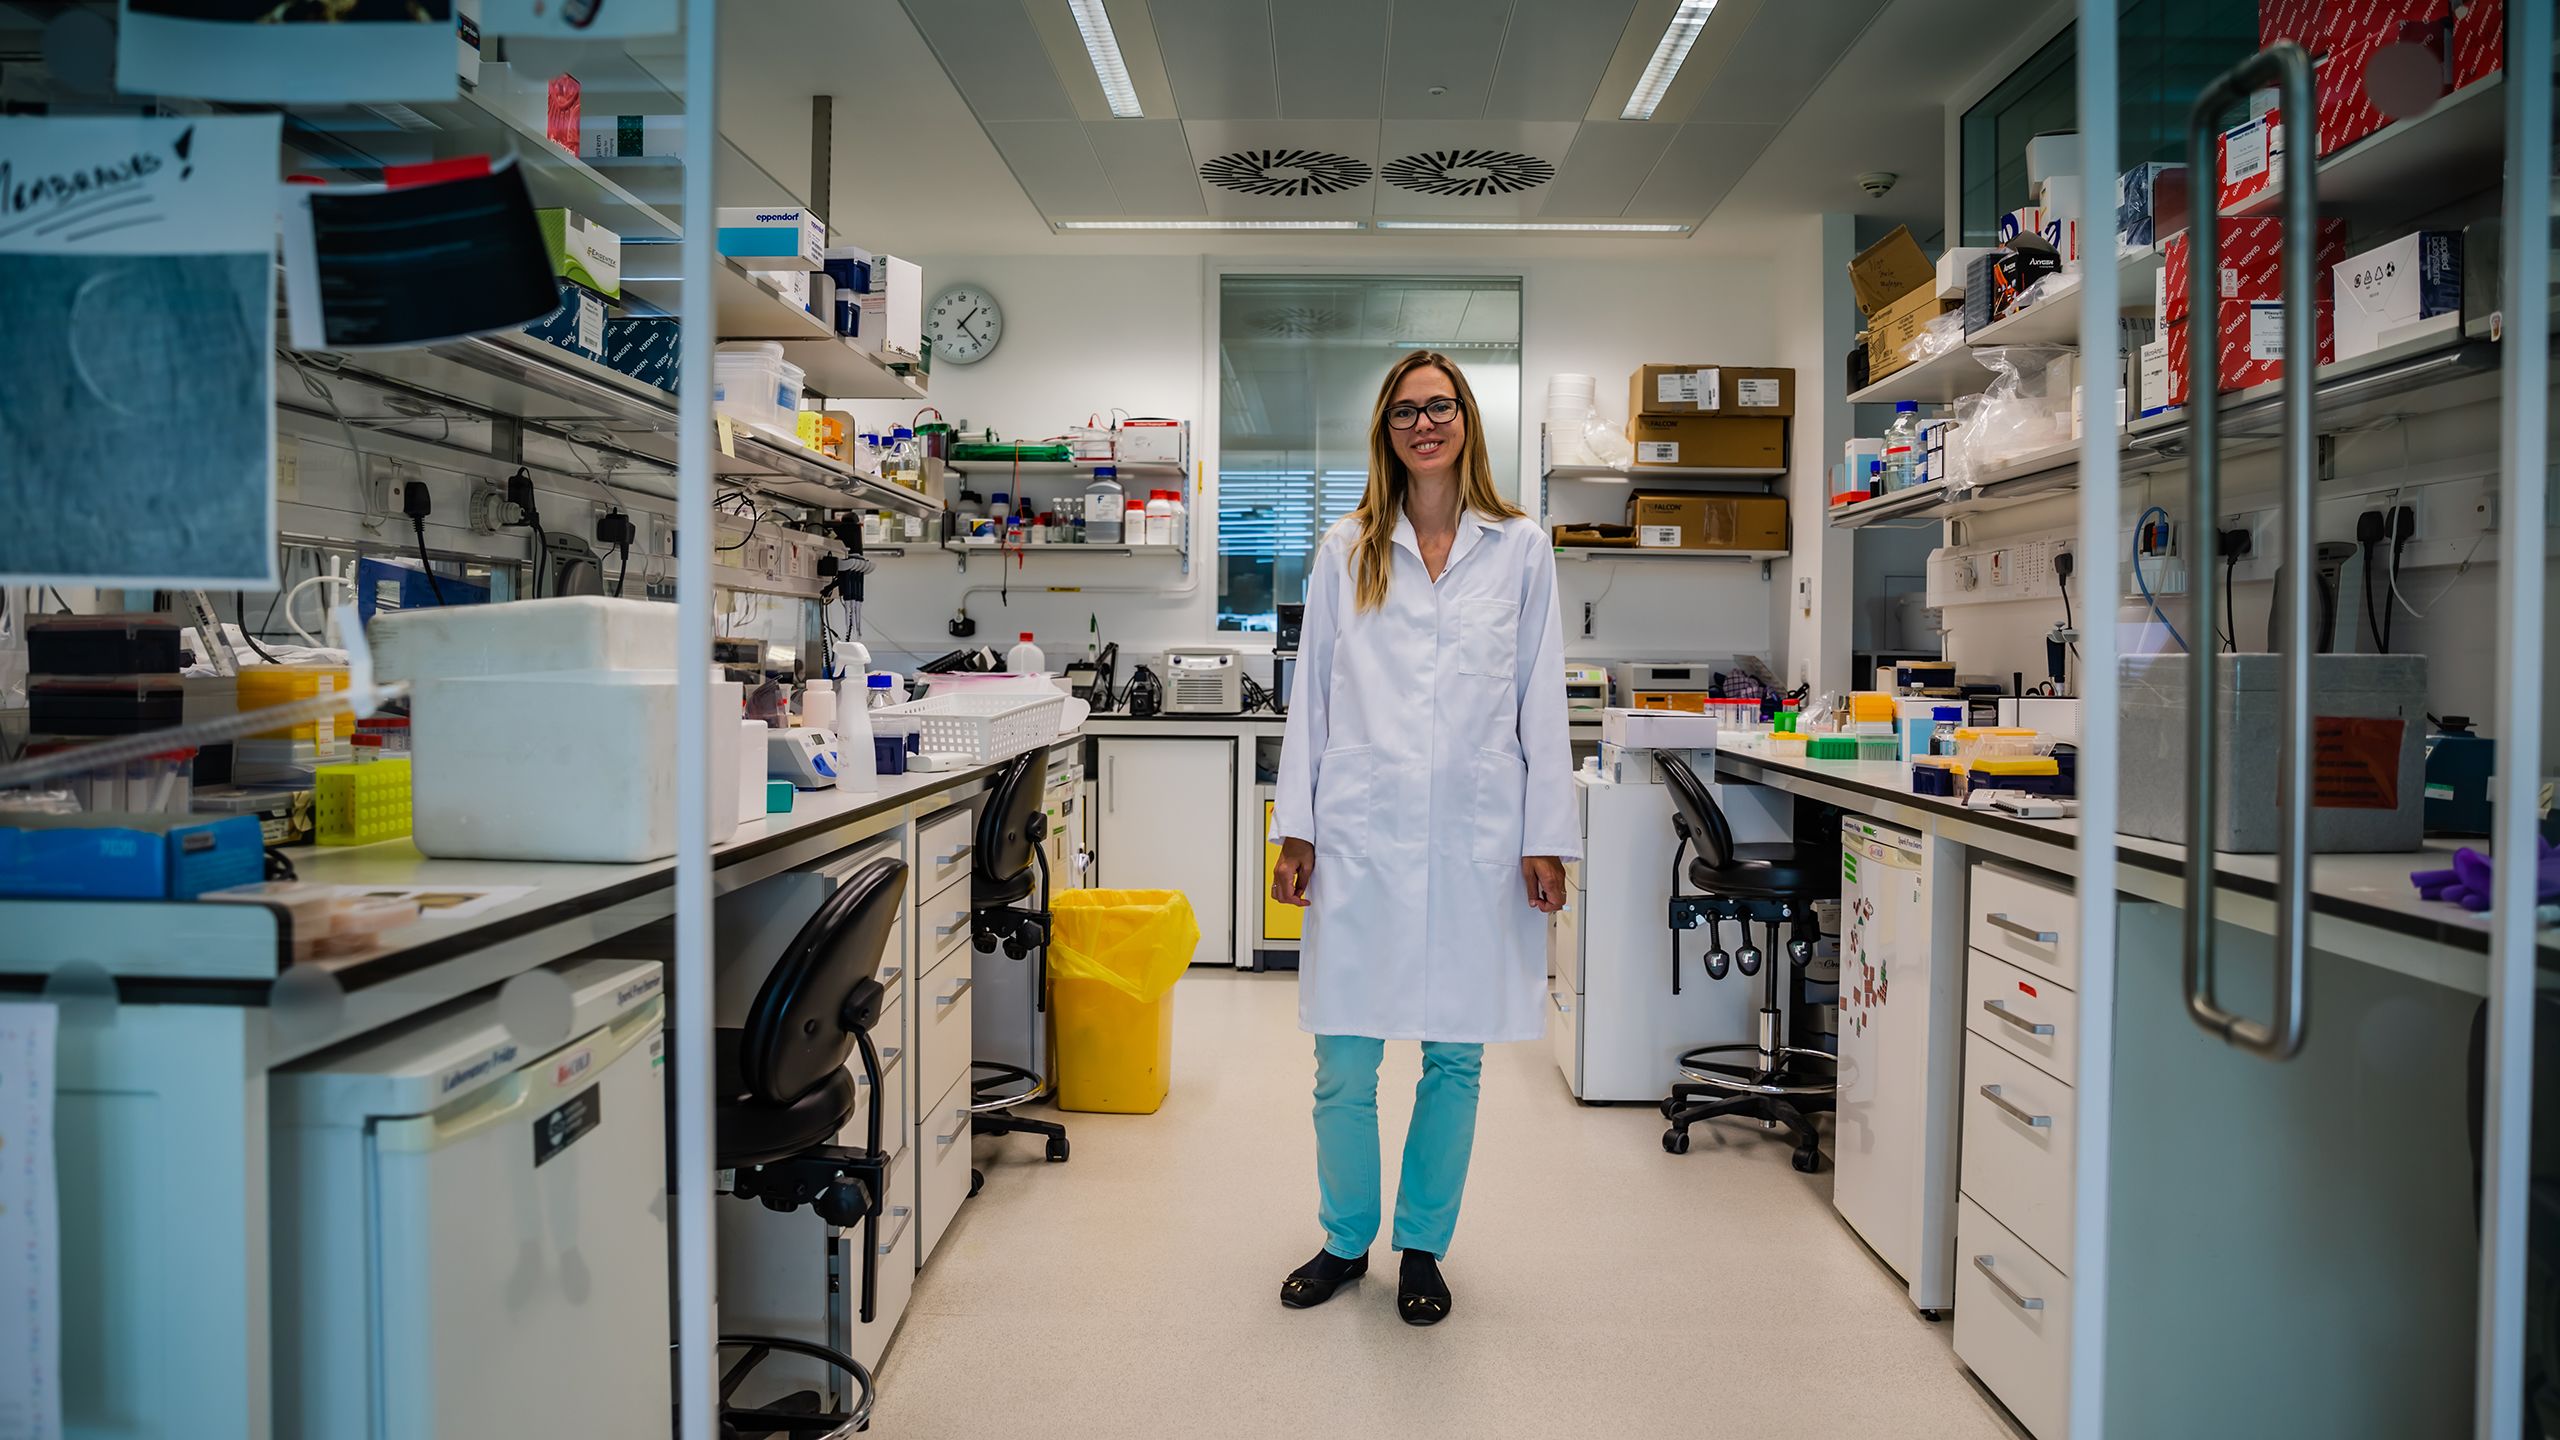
pixel 1701 164
pixel 1333 57
pixel 1554 56
pixel 1492 315
pixel 1485 169
pixel 1778 61
pixel 1451 44
pixel 1609 160
pixel 1218 54
pixel 1149 166
pixel 994 54
pixel 1056 166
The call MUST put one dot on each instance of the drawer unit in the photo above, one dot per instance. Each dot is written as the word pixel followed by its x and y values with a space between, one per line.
pixel 944 847
pixel 1564 1031
pixel 1564 941
pixel 2024 1014
pixel 943 1008
pixel 942 927
pixel 2026 920
pixel 897 1112
pixel 942 1166
pixel 2013 1321
pixel 893 1265
pixel 2018 1128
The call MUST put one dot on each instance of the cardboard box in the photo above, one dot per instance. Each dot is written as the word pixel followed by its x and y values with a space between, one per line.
pixel 2251 261
pixel 2055 152
pixel 1708 522
pixel 1700 389
pixel 577 326
pixel 2299 21
pixel 2416 277
pixel 2418 33
pixel 2247 158
pixel 1708 442
pixel 1890 335
pixel 2151 205
pixel 582 251
pixel 2479 40
pixel 1896 287
pixel 2062 232
pixel 644 347
pixel 751 234
pixel 2249 346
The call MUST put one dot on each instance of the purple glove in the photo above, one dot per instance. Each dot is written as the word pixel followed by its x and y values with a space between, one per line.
pixel 2467 884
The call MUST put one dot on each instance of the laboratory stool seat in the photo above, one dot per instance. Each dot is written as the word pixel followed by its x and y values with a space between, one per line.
pixel 1774 885
pixel 781 1098
pixel 1010 866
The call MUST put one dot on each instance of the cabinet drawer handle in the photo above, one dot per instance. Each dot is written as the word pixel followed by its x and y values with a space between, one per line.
pixel 1998 921
pixel 1992 1094
pixel 956 992
pixel 889 974
pixel 958 924
pixel 1561 1007
pixel 891 1244
pixel 943 1142
pixel 889 1055
pixel 2007 1291
pixel 2001 1009
pixel 954 858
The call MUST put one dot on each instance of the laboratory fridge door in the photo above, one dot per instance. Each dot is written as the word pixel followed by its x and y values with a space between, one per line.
pixel 1883 1128
pixel 2300 1124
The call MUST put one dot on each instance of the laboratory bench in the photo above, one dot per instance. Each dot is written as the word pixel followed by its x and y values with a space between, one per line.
pixel 174 1013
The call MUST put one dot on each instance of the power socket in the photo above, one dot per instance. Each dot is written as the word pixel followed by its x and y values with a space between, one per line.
pixel 488 507
pixel 1590 614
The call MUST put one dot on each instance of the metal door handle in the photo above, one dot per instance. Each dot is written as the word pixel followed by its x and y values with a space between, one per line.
pixel 2280 1036
pixel 2007 1291
pixel 942 1142
pixel 2001 1009
pixel 1998 921
pixel 2024 1117
pixel 1111 782
pixel 955 857
pixel 956 992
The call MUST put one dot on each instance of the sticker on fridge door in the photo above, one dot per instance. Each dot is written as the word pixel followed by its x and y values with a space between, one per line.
pixel 566 1124
pixel 1658 452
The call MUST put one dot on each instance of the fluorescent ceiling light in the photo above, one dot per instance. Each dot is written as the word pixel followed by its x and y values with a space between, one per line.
pixel 1208 224
pixel 1568 227
pixel 1103 49
pixel 1668 54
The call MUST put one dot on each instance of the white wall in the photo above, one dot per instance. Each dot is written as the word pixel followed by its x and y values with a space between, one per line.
pixel 1084 334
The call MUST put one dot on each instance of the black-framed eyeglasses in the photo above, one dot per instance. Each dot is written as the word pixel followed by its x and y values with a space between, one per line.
pixel 1405 417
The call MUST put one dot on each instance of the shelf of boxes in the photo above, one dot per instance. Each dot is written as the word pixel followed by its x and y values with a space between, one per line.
pixel 2454 150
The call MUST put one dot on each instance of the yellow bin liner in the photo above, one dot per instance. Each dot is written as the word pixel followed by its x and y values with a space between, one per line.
pixel 1113 958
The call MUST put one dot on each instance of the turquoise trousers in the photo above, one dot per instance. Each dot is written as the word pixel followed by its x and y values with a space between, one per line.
pixel 1436 1145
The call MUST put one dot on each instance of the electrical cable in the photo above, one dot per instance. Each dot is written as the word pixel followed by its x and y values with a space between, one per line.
pixel 419 524
pixel 2372 626
pixel 2231 603
pixel 756 520
pixel 623 573
pixel 2417 614
pixel 240 609
pixel 2145 585
pixel 2399 542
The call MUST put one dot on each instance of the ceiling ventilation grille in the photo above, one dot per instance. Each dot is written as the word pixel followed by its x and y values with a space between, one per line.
pixel 1468 172
pixel 1300 322
pixel 1293 173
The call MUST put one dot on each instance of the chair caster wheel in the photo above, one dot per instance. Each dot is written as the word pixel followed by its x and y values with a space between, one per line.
pixel 1933 1316
pixel 1807 1161
pixel 1718 962
pixel 1668 1108
pixel 977 1182
pixel 983 944
pixel 1058 1150
pixel 1676 1141
pixel 1747 959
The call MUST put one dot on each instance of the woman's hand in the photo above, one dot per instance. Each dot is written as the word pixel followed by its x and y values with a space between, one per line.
pixel 1544 877
pixel 1291 872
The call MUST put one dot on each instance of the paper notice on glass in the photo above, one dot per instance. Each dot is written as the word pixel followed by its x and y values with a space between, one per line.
pixel 30 1229
pixel 288 51
pixel 375 266
pixel 137 337
pixel 561 19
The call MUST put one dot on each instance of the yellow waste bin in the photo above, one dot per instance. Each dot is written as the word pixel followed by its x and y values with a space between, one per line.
pixel 1113 958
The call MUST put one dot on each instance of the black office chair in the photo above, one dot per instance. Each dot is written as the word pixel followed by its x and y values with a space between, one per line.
pixel 1776 885
pixel 1010 866
pixel 783 1096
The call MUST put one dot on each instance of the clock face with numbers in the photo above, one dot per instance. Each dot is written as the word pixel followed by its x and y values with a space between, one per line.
pixel 965 323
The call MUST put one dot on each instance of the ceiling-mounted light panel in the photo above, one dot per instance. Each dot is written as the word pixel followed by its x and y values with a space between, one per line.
pixel 1537 227
pixel 1668 55
pixel 1210 225
pixel 1103 48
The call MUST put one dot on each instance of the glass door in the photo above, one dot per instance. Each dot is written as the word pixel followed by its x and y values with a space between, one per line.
pixel 2315 565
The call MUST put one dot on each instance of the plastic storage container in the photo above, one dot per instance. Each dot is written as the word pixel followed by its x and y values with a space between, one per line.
pixel 1113 962
pixel 1025 657
pixel 755 385
pixel 361 804
pixel 1159 518
pixel 1104 503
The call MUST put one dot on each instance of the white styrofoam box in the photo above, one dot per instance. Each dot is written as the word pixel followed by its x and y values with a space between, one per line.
pixel 1153 441
pixel 753 233
pixel 1658 729
pixel 746 758
pixel 2056 152
pixel 2413 278
pixel 903 333
pixel 566 632
pixel 2061 197
pixel 571 766
pixel 1955 265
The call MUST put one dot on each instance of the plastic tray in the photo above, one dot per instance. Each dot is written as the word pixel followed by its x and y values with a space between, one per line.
pixel 981 727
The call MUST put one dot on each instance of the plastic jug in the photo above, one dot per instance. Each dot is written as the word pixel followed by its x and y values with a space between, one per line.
pixel 1103 503
pixel 1025 658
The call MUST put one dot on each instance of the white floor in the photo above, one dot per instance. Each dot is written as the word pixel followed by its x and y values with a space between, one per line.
pixel 1603 1287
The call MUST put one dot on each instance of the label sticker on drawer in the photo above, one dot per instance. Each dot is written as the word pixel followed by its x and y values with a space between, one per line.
pixel 1658 452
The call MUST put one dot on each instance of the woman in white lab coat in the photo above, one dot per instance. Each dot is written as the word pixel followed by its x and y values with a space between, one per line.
pixel 1425 813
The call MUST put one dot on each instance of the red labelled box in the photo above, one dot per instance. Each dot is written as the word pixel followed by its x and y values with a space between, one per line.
pixel 2479 40
pixel 2417 33
pixel 2248 345
pixel 2248 158
pixel 2252 261
pixel 2299 21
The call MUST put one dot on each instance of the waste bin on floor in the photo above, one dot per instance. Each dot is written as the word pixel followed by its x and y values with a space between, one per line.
pixel 1113 958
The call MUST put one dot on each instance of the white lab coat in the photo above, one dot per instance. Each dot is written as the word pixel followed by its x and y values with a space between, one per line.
pixel 1427 754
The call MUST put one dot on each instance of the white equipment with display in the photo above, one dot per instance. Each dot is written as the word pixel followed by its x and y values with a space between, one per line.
pixel 1203 682
pixel 807 758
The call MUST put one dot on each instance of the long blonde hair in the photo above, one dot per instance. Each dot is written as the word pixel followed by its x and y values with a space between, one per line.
pixel 1376 517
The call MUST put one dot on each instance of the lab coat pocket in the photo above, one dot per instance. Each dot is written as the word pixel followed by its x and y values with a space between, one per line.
pixel 1501 801
pixel 1346 782
pixel 1489 638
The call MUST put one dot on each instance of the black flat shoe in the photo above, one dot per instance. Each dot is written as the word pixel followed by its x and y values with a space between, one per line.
pixel 1422 1296
pixel 1313 1283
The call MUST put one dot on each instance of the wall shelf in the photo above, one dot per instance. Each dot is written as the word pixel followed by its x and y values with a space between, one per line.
pixel 1136 552
pixel 1052 468
pixel 1649 474
pixel 1630 552
pixel 1935 381
pixel 2453 151
pixel 1914 503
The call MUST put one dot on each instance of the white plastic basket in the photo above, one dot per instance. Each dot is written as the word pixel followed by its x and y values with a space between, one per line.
pixel 985 728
